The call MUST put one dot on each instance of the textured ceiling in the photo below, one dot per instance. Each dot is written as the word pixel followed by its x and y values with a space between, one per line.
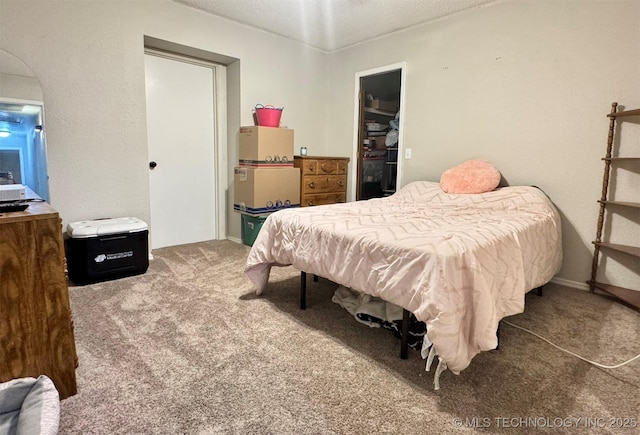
pixel 332 24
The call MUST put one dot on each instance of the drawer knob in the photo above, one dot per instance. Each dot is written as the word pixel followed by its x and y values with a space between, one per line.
pixel 310 202
pixel 312 185
pixel 340 183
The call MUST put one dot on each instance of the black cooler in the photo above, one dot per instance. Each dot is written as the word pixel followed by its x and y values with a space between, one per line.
pixel 104 249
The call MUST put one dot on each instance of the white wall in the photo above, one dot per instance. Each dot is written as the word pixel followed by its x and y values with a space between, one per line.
pixel 16 78
pixel 89 59
pixel 524 84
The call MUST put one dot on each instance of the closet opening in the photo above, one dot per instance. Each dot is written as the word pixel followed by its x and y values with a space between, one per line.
pixel 379 128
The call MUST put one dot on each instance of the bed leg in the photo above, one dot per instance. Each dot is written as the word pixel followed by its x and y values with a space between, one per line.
pixel 498 334
pixel 315 278
pixel 539 291
pixel 303 290
pixel 405 334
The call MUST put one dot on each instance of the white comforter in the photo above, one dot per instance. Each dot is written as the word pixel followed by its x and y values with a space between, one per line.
pixel 460 263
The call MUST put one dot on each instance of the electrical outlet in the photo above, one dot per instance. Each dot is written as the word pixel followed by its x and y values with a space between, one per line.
pixel 407 153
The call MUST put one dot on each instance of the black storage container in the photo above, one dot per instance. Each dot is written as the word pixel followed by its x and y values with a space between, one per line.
pixel 104 249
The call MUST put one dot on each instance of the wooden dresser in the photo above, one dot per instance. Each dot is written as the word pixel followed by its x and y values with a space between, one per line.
pixel 36 328
pixel 323 180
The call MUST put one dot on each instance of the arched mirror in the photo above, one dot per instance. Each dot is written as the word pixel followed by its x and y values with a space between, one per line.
pixel 23 151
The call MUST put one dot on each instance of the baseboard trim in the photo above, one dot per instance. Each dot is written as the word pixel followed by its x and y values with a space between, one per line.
pixel 569 283
pixel 234 239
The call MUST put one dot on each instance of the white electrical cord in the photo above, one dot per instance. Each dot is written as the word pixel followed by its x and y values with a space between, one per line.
pixel 571 353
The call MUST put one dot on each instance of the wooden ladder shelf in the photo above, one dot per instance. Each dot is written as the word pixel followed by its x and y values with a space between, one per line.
pixel 629 296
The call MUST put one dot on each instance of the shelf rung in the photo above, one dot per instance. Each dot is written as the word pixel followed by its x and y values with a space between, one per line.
pixel 631 250
pixel 631 297
pixel 634 112
pixel 618 159
pixel 621 203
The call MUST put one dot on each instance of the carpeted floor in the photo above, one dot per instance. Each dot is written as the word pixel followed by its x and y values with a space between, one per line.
pixel 187 348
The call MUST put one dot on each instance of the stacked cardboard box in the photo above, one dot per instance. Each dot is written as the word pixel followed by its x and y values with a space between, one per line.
pixel 265 179
pixel 266 147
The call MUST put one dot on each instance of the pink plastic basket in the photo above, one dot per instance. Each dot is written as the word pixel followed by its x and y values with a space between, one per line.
pixel 268 116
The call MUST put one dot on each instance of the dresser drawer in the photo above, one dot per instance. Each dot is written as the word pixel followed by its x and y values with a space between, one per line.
pixel 323 183
pixel 323 167
pixel 323 180
pixel 322 198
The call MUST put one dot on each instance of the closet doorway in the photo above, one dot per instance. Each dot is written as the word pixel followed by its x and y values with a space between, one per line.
pixel 183 153
pixel 378 135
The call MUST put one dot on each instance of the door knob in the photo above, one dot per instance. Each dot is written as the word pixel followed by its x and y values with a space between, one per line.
pixel 152 165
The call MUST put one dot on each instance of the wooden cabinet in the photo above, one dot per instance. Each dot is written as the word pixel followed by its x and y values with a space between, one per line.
pixel 323 180
pixel 603 232
pixel 36 329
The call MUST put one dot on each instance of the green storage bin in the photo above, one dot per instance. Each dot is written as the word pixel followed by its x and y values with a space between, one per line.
pixel 251 227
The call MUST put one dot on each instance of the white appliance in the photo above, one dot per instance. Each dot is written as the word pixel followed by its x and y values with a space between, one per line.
pixel 12 192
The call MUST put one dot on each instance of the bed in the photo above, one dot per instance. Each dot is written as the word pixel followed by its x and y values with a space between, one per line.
pixel 458 262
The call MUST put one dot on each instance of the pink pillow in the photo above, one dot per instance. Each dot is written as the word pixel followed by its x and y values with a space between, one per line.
pixel 472 176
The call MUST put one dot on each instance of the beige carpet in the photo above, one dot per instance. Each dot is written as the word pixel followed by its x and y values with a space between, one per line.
pixel 187 348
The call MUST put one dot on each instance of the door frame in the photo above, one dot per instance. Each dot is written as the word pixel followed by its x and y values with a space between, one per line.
pixel 402 66
pixel 220 131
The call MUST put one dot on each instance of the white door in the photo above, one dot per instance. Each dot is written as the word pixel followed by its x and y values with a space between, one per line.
pixel 181 141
